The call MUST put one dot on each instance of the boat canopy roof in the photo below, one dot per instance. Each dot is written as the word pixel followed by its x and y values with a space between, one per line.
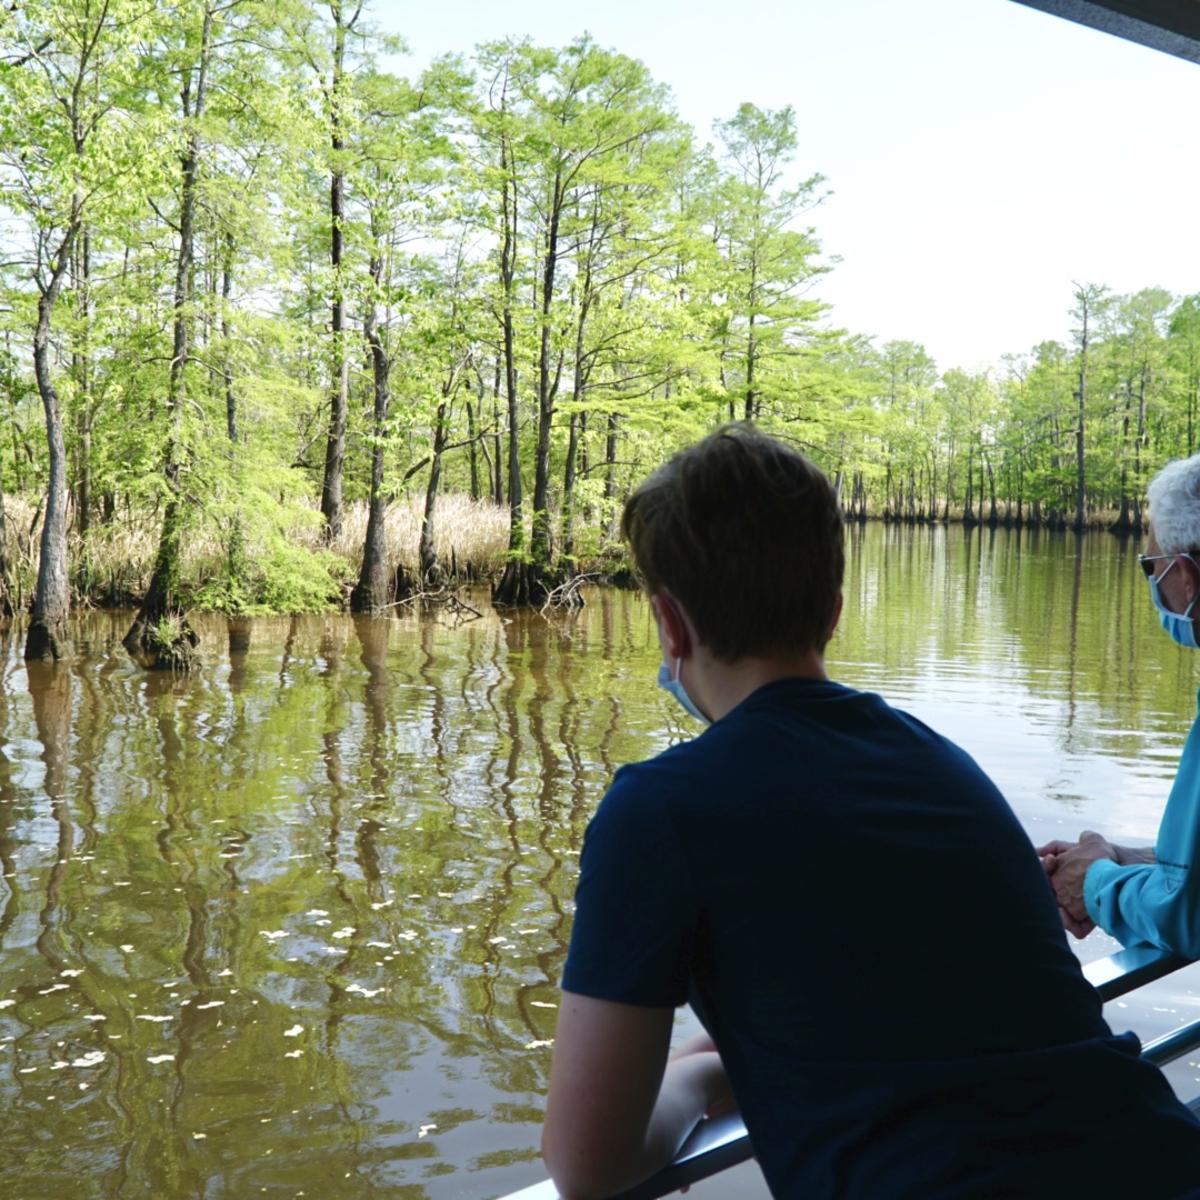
pixel 1172 26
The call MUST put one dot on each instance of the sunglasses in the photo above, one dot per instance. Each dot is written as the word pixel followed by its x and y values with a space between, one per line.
pixel 1145 561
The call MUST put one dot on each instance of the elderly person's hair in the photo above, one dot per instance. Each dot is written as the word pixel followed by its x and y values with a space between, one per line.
pixel 1175 505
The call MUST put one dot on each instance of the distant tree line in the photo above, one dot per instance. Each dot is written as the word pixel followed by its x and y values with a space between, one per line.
pixel 249 277
pixel 1064 437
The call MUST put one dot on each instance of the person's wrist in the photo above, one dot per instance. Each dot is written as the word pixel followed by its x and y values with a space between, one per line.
pixel 1132 856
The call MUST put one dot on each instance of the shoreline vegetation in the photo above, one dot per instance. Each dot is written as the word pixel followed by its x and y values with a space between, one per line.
pixel 268 307
pixel 472 542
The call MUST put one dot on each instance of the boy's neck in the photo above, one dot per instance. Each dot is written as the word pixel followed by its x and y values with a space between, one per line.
pixel 722 686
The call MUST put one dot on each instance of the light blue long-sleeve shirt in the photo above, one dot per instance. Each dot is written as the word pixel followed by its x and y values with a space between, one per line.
pixel 1158 902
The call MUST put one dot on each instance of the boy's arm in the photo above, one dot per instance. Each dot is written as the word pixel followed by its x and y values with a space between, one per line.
pixel 617 1110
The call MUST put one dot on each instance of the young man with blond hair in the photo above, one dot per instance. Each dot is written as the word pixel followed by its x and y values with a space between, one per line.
pixel 841 894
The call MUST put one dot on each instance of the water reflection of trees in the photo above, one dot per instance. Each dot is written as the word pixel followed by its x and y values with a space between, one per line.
pixel 437 781
pixel 1060 619
pixel 8 797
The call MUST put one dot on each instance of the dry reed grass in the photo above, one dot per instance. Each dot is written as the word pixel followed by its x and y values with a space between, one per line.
pixel 473 535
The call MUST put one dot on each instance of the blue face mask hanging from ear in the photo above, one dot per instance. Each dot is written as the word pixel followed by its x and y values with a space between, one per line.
pixel 1180 627
pixel 674 685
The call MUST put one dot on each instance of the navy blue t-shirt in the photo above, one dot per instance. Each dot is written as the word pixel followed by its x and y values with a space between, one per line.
pixel 864 928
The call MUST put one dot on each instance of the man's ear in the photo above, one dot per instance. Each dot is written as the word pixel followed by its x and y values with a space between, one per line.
pixel 675 636
pixel 1191 577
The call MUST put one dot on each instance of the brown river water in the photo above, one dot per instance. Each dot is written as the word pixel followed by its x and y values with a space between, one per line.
pixel 293 925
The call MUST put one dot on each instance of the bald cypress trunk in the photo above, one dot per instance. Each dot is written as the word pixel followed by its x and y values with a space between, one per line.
pixel 160 636
pixel 47 636
pixel 432 574
pixel 335 443
pixel 514 585
pixel 373 592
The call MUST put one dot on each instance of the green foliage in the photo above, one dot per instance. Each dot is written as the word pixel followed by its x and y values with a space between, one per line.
pixel 169 630
pixel 533 215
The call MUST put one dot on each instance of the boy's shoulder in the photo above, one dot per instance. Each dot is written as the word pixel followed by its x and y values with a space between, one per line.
pixel 788 736
pixel 770 726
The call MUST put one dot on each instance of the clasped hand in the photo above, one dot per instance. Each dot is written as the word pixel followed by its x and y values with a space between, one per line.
pixel 1066 864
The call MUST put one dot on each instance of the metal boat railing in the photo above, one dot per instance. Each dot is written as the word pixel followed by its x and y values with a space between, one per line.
pixel 722 1142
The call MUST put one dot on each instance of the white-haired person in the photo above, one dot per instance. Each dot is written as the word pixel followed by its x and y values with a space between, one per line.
pixel 1143 894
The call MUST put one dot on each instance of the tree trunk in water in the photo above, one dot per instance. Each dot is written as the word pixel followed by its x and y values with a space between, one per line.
pixel 578 386
pixel 514 586
pixel 541 542
pixel 1139 442
pixel 335 444
pixel 373 592
pixel 82 359
pixel 6 604
pixel 1121 525
pixel 160 637
pixel 47 636
pixel 432 574
pixel 235 553
pixel 1081 409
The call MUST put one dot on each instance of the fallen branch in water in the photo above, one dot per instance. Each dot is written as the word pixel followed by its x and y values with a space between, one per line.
pixel 445 597
pixel 566 594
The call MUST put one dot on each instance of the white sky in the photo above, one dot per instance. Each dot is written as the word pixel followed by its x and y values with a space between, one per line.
pixel 982 155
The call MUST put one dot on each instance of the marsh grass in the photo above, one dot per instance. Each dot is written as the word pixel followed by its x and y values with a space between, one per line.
pixel 470 534
pixel 290 569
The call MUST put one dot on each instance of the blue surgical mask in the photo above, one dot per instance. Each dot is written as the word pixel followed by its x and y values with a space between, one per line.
pixel 1179 626
pixel 674 685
